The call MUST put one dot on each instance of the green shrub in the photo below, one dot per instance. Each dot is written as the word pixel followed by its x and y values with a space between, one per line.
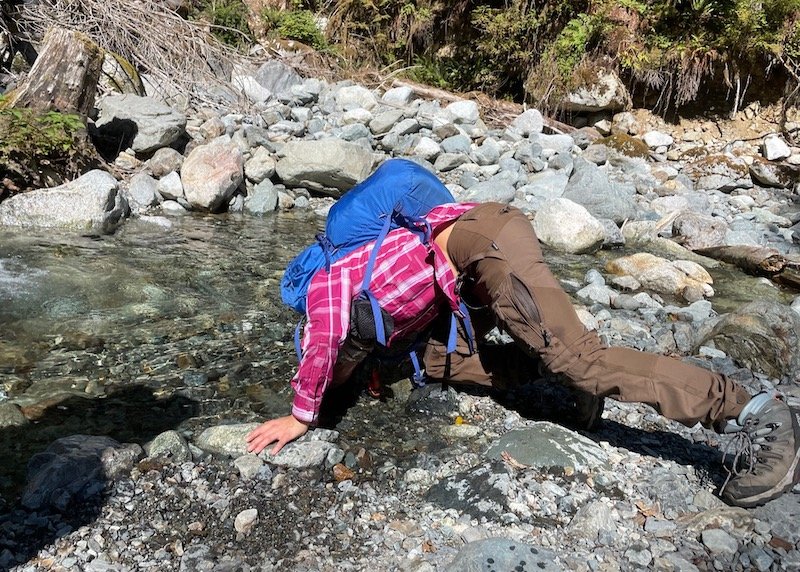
pixel 297 25
pixel 38 134
pixel 37 147
pixel 229 20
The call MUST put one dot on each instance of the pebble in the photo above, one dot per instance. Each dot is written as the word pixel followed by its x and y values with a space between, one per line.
pixel 719 542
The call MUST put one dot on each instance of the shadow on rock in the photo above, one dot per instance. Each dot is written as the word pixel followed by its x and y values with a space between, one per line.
pixel 55 469
pixel 548 400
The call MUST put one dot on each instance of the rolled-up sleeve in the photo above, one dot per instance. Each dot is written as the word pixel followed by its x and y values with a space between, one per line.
pixel 328 321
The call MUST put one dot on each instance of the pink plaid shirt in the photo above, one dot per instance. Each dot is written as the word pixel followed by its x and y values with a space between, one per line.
pixel 404 281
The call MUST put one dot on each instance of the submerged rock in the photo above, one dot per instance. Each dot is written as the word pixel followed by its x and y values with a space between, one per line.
pixel 763 336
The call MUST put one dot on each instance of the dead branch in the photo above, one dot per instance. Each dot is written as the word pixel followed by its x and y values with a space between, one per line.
pixel 176 54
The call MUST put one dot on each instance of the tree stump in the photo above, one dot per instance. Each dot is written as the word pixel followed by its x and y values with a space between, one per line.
pixel 43 137
pixel 64 77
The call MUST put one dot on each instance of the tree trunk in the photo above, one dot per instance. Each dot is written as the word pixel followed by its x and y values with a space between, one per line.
pixel 64 76
pixel 759 261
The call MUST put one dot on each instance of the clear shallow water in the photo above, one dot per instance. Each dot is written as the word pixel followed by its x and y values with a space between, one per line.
pixel 159 328
pixel 148 285
pixel 53 285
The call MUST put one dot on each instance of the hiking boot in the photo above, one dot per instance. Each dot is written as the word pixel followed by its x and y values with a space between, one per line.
pixel 765 450
pixel 588 410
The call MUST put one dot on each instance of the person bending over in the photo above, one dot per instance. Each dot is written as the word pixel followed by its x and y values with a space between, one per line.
pixel 489 256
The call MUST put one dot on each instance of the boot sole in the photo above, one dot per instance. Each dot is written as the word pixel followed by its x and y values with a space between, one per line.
pixel 784 485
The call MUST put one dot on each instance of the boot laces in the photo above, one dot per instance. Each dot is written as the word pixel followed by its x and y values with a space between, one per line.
pixel 748 448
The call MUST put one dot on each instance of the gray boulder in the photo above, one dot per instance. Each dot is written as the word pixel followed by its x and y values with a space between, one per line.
pixel 330 166
pixel 546 445
pixel 722 172
pixel 91 204
pixel 588 186
pixel 596 153
pixel 164 161
pixel 556 143
pixel 400 96
pixel 263 199
pixel 528 122
pixel 353 96
pixel 568 227
pixel 152 124
pixel 171 187
pixel 211 173
pixel 170 444
pixel 489 191
pixel 774 148
pixel 548 184
pixel 383 122
pixel 682 278
pixel 775 175
pixel 763 336
pixel 602 92
pixel 75 468
pixel 277 77
pixel 142 192
pixel 695 230
pixel 655 139
pixel 463 112
pixel 457 144
pixel 226 440
pixel 260 166
pixel 249 86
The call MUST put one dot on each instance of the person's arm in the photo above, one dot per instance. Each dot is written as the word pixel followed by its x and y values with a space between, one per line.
pixel 328 313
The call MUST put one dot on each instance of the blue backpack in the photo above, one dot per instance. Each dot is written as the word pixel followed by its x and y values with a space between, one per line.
pixel 398 194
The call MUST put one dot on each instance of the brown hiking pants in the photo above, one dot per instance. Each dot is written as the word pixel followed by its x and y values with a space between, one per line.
pixel 499 260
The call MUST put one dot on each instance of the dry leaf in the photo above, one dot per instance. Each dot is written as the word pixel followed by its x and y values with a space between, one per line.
pixel 648 510
pixel 342 473
pixel 512 462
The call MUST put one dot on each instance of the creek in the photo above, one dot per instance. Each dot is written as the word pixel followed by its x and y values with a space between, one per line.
pixel 187 308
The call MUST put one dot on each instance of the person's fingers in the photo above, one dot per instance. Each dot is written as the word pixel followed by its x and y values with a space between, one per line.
pixel 260 440
pixel 276 449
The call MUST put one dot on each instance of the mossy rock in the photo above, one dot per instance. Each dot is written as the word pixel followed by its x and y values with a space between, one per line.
pixel 627 145
pixel 41 149
pixel 695 153
pixel 120 75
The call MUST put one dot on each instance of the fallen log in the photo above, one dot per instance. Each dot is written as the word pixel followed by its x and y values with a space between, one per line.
pixel 758 261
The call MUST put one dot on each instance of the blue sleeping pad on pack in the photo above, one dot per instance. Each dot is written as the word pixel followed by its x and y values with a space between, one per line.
pixel 398 194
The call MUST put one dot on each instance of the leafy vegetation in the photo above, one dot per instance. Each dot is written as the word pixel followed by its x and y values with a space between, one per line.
pixel 543 48
pixel 297 24
pixel 228 19
pixel 40 148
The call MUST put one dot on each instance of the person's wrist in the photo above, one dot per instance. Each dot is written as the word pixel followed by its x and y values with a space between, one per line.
pixel 301 421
